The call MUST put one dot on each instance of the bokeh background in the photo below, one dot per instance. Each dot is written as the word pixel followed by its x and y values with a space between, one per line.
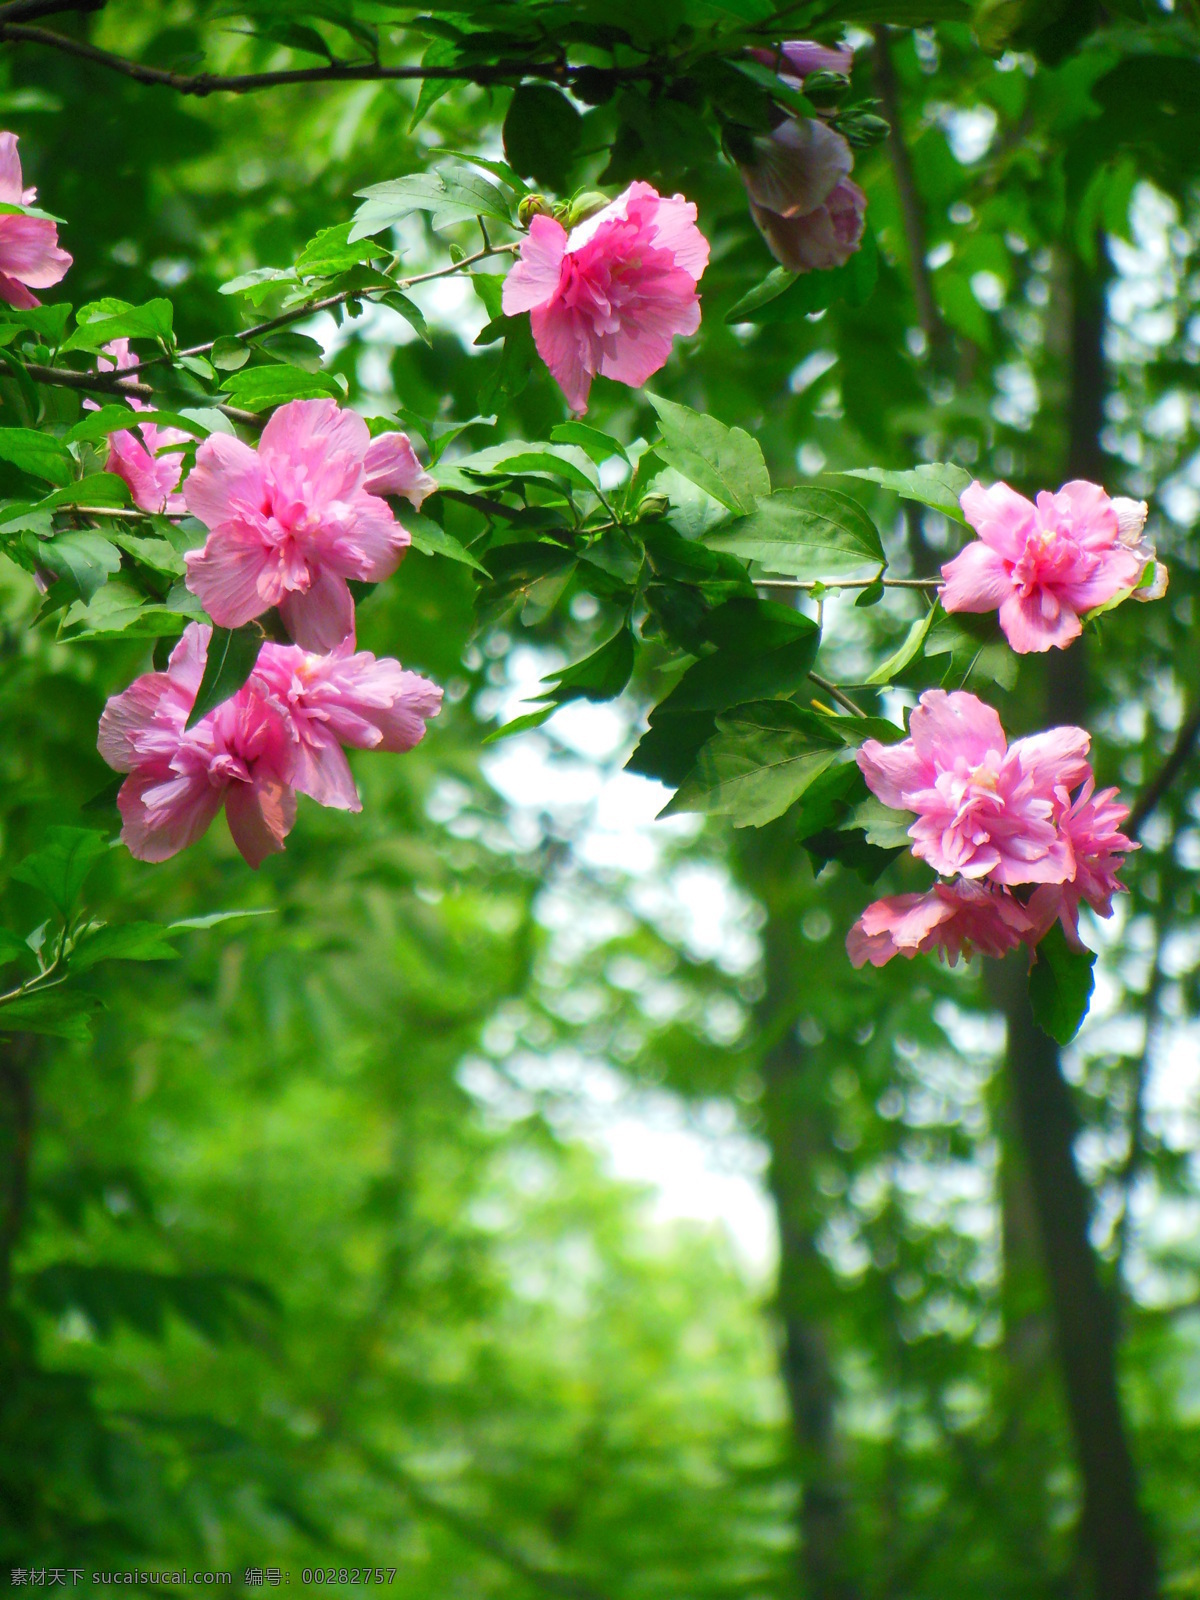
pixel 537 1201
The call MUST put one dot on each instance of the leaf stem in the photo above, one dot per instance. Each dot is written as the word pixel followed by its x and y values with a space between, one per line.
pixel 834 693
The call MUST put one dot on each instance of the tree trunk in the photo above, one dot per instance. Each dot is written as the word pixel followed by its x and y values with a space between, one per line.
pixel 16 1137
pixel 1115 1540
pixel 794 1101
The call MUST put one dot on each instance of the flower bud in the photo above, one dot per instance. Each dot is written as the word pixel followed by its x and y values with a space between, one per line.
pixel 583 206
pixel 533 205
pixel 861 128
pixel 826 87
pixel 654 505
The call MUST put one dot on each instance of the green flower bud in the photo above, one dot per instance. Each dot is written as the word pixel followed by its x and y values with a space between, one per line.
pixel 585 205
pixel 861 128
pixel 533 205
pixel 826 87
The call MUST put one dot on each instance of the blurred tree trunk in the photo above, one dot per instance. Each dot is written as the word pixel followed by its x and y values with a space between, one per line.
pixel 16 1137
pixel 794 1104
pixel 1116 1542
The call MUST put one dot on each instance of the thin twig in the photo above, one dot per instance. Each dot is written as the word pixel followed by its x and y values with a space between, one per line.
pixel 298 313
pixel 840 695
pixel 1181 753
pixel 809 584
pixel 206 83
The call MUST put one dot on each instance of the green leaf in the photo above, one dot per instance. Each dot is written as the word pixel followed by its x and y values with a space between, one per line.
pixel 62 1014
pixel 410 311
pixel 882 825
pixel 213 919
pixel 517 459
pixel 541 134
pixel 806 533
pixel 454 195
pixel 938 484
pixel 432 540
pixel 975 647
pixel 530 574
pixel 229 354
pixel 726 462
pixel 758 763
pixel 908 651
pixel 522 724
pixel 600 446
pixel 38 454
pixel 789 296
pixel 1060 986
pixel 763 650
pixel 600 676
pixel 232 653
pixel 671 744
pixel 115 319
pixel 13 948
pixel 100 489
pixel 441 53
pixel 126 941
pixel 261 388
pixel 61 865
pixel 87 559
pixel 214 1303
pixel 96 425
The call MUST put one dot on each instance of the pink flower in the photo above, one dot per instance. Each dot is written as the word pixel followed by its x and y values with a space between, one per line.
pixel 798 57
pixel 984 808
pixel 392 468
pixel 1043 565
pixel 346 698
pixel 291 521
pixel 242 756
pixel 801 196
pixel 610 296
pixel 1092 823
pixel 1131 523
pixel 152 478
pixel 953 918
pixel 30 257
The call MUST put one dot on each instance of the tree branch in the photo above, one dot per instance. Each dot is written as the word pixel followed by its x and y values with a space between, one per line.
pixel 116 384
pixel 1181 753
pixel 206 83
pixel 16 1133
pixel 912 215
pixel 560 1584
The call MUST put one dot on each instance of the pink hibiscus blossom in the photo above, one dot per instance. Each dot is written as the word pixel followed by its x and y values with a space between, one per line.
pixel 984 808
pixel 152 477
pixel 952 918
pixel 611 295
pixel 801 197
pixel 242 756
pixel 1092 823
pixel 345 698
pixel 291 521
pixel 30 257
pixel 1043 565
pixel 796 58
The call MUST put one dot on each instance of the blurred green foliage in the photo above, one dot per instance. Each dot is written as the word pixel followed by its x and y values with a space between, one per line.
pixel 312 1268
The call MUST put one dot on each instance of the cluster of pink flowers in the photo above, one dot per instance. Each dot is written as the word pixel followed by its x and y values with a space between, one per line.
pixel 991 819
pixel 1044 565
pixel 289 523
pixel 609 296
pixel 30 257
pixel 802 198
